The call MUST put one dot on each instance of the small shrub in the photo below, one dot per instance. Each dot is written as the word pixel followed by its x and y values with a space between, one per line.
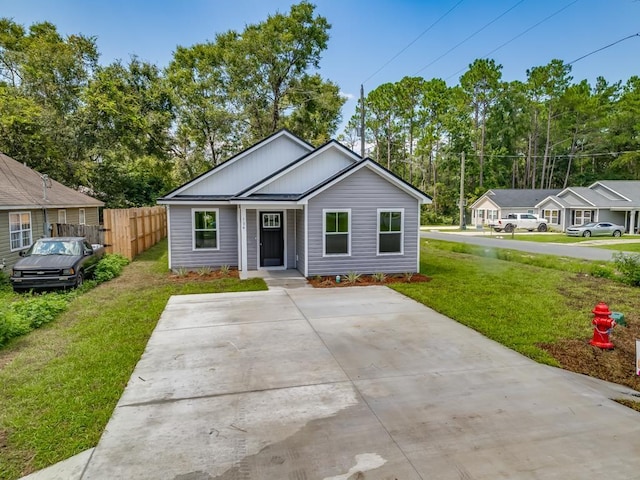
pixel 182 272
pixel 204 271
pixel 629 267
pixel 317 278
pixel 109 267
pixel 379 277
pixel 602 271
pixel 4 278
pixel 38 310
pixel 352 277
pixel 12 325
pixel 408 276
pixel 224 270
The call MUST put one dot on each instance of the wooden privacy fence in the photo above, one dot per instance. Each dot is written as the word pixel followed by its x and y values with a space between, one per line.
pixel 131 231
pixel 93 233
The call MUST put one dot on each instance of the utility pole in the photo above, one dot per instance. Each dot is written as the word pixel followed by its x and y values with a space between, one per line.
pixel 463 223
pixel 362 120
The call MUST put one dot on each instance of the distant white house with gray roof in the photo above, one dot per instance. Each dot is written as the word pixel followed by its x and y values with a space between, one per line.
pixel 498 203
pixel 616 201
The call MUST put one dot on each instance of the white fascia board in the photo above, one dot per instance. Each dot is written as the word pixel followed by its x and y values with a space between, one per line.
pixel 189 203
pixel 484 196
pixel 548 199
pixel 569 189
pixel 610 189
pixel 257 204
pixel 370 164
pixel 239 156
pixel 331 145
pixel 486 199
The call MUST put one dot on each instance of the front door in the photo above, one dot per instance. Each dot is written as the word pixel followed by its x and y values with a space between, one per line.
pixel 271 239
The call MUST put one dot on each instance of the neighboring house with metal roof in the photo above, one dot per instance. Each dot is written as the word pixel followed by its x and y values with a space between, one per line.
pixel 498 203
pixel 615 201
pixel 30 202
pixel 283 204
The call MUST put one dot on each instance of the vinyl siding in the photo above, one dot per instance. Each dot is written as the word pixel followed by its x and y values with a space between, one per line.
pixel 252 240
pixel 37 231
pixel 300 240
pixel 182 253
pixel 364 192
pixel 250 169
pixel 310 173
pixel 73 215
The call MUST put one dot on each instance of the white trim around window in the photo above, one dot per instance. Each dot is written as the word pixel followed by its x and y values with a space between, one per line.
pixel 20 233
pixel 82 216
pixel 389 229
pixel 206 230
pixel 338 232
pixel 62 216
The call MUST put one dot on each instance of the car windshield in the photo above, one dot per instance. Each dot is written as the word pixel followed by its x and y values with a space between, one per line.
pixel 590 224
pixel 55 248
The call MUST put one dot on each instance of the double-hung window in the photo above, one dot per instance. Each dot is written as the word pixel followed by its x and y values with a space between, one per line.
pixel 390 231
pixel 337 232
pixel 205 229
pixel 82 218
pixel 20 230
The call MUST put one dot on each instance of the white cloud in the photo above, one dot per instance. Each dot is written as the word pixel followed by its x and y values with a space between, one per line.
pixel 348 96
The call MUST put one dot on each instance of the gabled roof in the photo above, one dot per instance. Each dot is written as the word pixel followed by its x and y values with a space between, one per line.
pixel 628 189
pixel 283 133
pixel 22 188
pixel 373 166
pixel 517 197
pixel 298 163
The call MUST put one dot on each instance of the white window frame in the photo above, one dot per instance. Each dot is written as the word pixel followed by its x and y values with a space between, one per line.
pixel 62 216
pixel 21 231
pixel 82 216
pixel 269 220
pixel 550 213
pixel 583 217
pixel 378 232
pixel 324 232
pixel 193 229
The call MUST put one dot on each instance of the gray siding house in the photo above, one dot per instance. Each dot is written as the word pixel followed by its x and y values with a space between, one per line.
pixel 283 204
pixel 498 203
pixel 30 203
pixel 615 201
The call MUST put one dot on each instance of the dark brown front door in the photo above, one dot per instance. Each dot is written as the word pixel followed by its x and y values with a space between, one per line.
pixel 271 239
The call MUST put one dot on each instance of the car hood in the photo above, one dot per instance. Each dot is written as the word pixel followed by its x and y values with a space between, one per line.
pixel 46 261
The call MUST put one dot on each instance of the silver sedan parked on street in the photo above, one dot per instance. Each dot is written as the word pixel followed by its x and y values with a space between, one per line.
pixel 594 229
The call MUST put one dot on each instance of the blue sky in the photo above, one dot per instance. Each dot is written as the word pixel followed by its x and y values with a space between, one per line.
pixel 366 34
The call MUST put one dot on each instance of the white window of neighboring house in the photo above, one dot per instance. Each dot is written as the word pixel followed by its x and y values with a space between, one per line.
pixel 552 216
pixel 493 215
pixel 205 229
pixel 390 231
pixel 582 217
pixel 62 216
pixel 480 216
pixel 81 217
pixel 20 230
pixel 336 228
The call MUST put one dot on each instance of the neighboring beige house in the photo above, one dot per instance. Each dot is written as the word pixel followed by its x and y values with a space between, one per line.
pixel 31 202
pixel 498 203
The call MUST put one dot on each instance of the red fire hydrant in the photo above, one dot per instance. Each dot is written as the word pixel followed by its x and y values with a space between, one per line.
pixel 602 326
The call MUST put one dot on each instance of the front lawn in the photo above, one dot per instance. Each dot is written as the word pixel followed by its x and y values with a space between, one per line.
pixel 61 383
pixel 543 312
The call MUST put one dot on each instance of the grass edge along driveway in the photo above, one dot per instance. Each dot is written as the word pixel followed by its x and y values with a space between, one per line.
pixel 61 383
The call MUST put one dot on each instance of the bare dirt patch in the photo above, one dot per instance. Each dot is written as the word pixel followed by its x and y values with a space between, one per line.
pixel 213 275
pixel 366 280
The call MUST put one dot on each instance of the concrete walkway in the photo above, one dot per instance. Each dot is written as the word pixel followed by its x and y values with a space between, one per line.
pixel 352 383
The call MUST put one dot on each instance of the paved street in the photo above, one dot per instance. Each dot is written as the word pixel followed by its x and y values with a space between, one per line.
pixel 502 240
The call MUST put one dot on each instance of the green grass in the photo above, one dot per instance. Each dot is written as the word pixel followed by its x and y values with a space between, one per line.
pixel 545 237
pixel 511 300
pixel 61 383
pixel 627 247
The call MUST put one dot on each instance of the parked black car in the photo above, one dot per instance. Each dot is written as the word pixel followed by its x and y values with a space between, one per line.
pixel 55 263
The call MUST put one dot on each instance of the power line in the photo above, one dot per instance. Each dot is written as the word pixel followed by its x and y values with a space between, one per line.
pixel 470 36
pixel 518 36
pixel 603 48
pixel 412 42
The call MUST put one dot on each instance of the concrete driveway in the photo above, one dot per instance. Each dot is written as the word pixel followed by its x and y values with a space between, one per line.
pixel 352 383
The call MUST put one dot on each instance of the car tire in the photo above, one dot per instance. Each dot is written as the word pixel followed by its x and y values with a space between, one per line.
pixel 79 280
pixel 498 230
pixel 542 227
pixel 617 233
pixel 586 233
pixel 508 228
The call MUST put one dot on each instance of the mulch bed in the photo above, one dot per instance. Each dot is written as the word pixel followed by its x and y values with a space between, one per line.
pixel 617 365
pixel 365 280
